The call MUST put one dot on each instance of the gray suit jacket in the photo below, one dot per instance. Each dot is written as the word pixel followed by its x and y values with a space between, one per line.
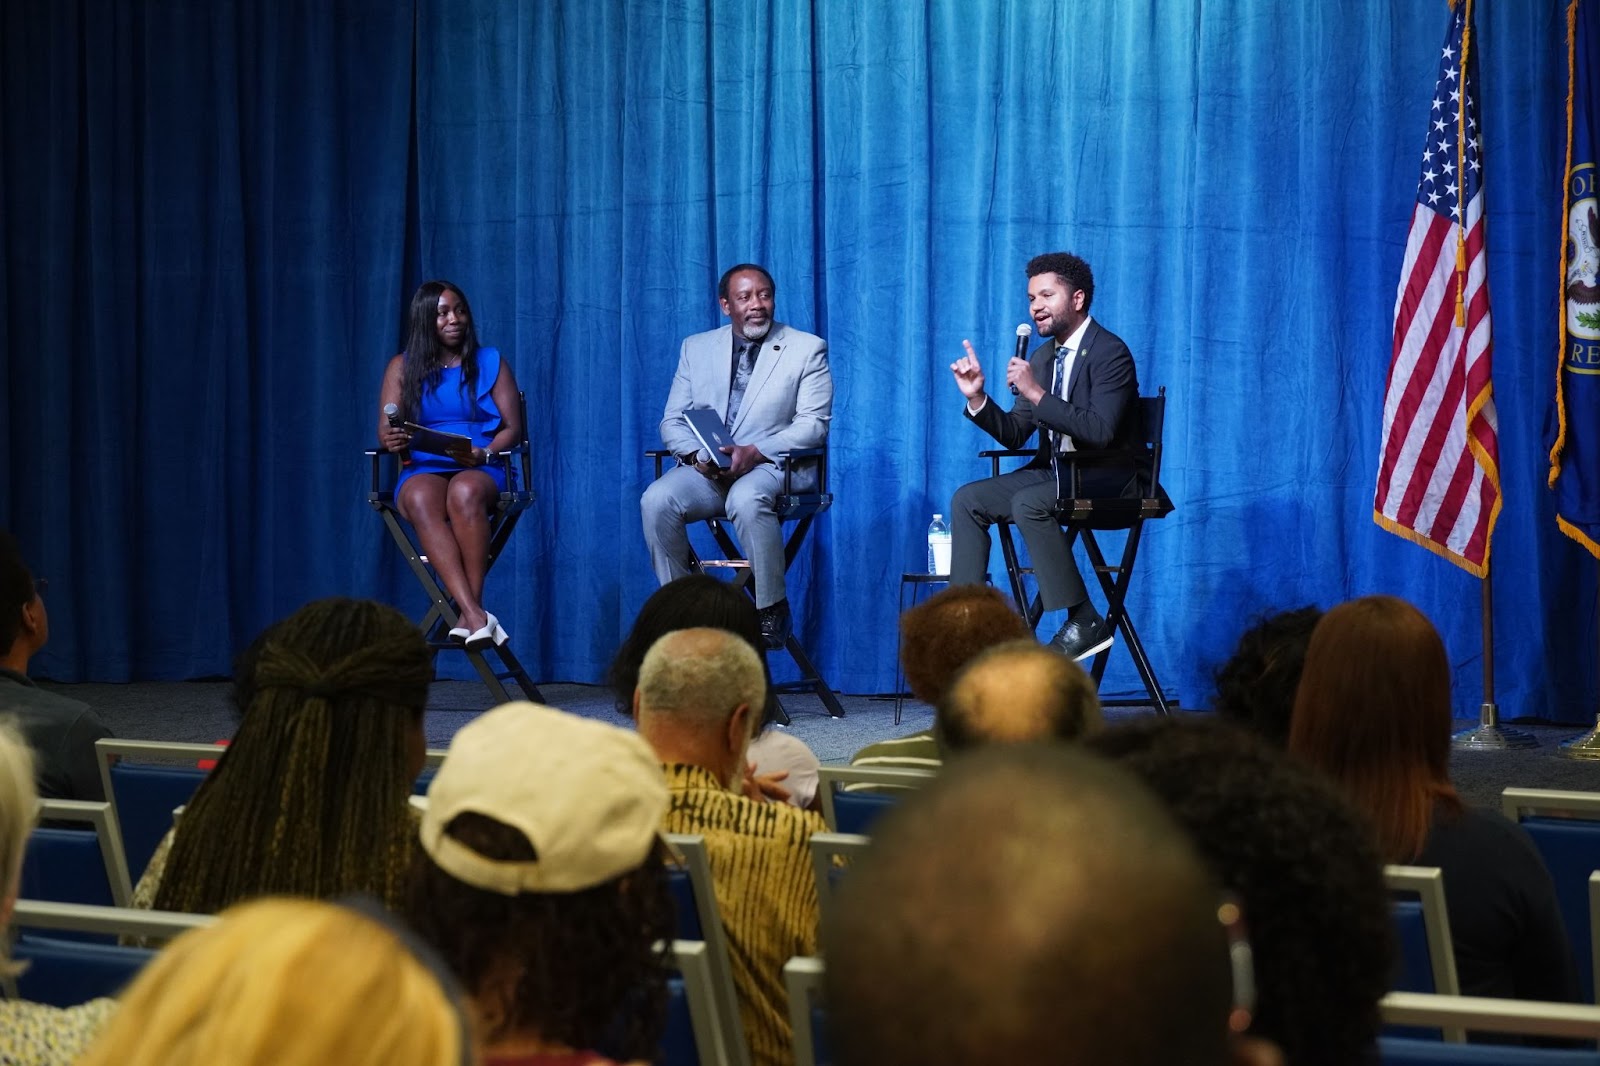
pixel 787 404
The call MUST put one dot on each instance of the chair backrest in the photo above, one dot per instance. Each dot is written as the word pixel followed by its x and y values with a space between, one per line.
pixel 826 848
pixel 802 977
pixel 853 797
pixel 694 1021
pixel 76 865
pixel 145 781
pixel 1517 1017
pixel 1427 962
pixel 1153 416
pixel 699 918
pixel 64 973
pixel 1565 827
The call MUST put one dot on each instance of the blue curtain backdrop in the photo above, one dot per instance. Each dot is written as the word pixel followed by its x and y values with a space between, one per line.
pixel 213 213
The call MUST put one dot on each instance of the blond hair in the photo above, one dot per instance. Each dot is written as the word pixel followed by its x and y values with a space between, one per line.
pixel 286 982
pixel 19 811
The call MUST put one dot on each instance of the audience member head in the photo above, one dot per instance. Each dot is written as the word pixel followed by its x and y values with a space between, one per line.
pixel 24 622
pixel 1301 860
pixel 1031 904
pixel 698 700
pixel 1017 691
pixel 281 982
pixel 19 807
pixel 696 601
pixel 1256 687
pixel 540 880
pixel 311 798
pixel 1373 712
pixel 941 634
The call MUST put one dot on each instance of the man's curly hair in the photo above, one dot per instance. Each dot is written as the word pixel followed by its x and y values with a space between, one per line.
pixel 947 630
pixel 1256 686
pixel 1072 269
pixel 1305 866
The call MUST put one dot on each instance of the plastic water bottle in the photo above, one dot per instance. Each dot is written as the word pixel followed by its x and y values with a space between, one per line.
pixel 938 546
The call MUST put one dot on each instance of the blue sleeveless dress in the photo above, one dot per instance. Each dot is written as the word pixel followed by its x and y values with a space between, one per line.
pixel 446 408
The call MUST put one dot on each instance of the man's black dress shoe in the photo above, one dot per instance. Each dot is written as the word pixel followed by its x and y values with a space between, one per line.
pixel 1082 637
pixel 775 624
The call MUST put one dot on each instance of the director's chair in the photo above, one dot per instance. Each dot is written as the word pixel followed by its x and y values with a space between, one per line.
pixel 1082 516
pixel 442 615
pixel 791 505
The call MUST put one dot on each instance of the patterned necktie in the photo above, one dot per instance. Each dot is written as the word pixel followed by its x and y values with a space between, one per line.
pixel 741 380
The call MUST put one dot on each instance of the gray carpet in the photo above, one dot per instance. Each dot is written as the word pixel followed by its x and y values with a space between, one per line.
pixel 199 711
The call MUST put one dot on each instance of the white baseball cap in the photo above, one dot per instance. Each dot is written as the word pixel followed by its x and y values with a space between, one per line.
pixel 589 798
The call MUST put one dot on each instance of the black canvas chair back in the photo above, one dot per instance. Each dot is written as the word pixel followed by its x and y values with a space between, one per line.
pixel 442 616
pixel 796 504
pixel 1082 516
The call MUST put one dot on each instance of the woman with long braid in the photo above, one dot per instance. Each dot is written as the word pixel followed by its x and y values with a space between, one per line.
pixel 311 798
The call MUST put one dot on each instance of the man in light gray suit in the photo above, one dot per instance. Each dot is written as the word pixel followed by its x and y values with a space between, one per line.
pixel 770 386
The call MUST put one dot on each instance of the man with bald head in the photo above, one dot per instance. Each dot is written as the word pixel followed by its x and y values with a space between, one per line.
pixel 1033 904
pixel 698 703
pixel 937 638
pixel 1017 691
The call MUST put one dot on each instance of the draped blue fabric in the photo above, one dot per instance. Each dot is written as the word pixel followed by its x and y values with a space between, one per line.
pixel 212 216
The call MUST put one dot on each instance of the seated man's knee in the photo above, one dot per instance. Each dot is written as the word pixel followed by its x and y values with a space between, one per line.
pixel 658 504
pixel 1034 504
pixel 744 504
pixel 965 500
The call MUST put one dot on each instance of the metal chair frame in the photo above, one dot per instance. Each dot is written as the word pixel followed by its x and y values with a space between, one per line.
pixel 1427 884
pixel 880 779
pixel 802 977
pixel 792 505
pixel 825 848
pixel 101 819
pixel 688 853
pixel 1081 516
pixel 442 615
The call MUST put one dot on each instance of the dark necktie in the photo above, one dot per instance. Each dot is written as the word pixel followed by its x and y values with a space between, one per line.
pixel 741 379
pixel 1055 390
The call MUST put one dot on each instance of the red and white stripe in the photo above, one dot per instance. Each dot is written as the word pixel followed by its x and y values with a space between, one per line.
pixel 1439 477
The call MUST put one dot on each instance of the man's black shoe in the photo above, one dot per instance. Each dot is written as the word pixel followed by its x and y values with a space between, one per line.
pixel 775 624
pixel 1082 637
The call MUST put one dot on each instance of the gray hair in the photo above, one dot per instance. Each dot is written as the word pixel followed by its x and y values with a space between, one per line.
pixel 704 673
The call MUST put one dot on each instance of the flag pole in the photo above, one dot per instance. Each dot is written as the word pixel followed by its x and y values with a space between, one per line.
pixel 1489 734
pixel 1586 746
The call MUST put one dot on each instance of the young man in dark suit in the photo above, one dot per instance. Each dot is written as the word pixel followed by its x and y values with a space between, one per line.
pixel 1079 390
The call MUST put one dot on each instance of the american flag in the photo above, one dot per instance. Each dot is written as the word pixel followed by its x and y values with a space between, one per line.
pixel 1439 474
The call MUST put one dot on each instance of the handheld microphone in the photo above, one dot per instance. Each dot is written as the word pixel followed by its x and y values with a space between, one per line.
pixel 392 413
pixel 1024 334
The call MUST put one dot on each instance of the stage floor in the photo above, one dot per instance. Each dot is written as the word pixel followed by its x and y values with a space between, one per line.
pixel 199 711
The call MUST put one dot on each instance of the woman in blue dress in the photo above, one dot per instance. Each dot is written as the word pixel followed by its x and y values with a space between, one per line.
pixel 445 381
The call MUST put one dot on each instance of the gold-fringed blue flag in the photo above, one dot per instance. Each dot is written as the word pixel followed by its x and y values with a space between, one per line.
pixel 1575 458
pixel 1439 464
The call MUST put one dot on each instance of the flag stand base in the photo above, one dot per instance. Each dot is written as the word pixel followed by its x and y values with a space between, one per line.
pixel 1584 747
pixel 1490 735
